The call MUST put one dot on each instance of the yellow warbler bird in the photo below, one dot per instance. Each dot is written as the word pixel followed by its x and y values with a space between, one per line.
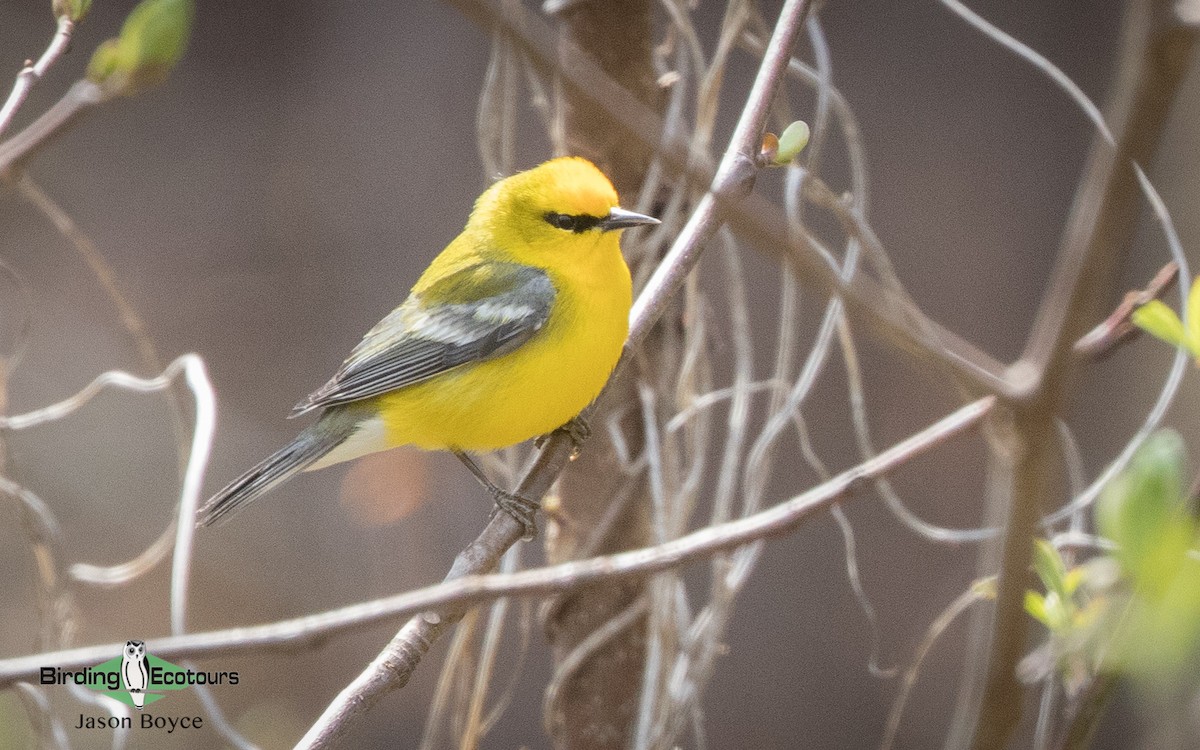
pixel 512 330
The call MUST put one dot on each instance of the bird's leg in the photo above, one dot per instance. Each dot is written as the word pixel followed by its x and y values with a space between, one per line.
pixel 577 429
pixel 522 509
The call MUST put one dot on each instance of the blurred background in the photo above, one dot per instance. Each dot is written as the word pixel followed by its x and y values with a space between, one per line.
pixel 283 190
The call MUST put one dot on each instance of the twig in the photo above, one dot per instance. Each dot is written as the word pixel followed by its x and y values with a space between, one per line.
pixel 734 180
pixel 80 98
pixel 976 593
pixel 1117 327
pixel 99 266
pixel 32 72
pixel 136 327
pixel 471 590
pixel 196 377
pixel 1170 384
pixel 569 665
pixel 186 363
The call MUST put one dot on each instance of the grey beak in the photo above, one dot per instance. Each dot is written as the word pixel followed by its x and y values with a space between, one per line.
pixel 619 218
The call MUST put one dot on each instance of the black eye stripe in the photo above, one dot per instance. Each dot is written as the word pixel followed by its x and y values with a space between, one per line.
pixel 576 223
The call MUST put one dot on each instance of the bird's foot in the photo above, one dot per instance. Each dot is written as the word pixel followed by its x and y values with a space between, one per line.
pixel 577 429
pixel 520 508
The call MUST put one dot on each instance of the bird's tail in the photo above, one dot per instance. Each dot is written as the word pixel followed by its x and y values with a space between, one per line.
pixel 317 440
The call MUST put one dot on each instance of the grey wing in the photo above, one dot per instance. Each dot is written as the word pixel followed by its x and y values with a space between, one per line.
pixel 485 310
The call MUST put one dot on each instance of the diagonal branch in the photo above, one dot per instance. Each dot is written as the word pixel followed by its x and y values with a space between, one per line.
pixel 32 72
pixel 83 96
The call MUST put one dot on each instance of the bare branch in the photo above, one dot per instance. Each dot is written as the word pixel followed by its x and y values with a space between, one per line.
pixel 78 100
pixel 135 326
pixel 979 591
pixel 1117 327
pixel 196 376
pixel 32 72
pixel 470 590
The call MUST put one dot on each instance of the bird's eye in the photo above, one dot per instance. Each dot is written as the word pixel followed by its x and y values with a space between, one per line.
pixel 577 223
pixel 565 222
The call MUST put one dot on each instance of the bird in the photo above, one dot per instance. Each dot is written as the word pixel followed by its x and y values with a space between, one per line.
pixel 135 672
pixel 510 332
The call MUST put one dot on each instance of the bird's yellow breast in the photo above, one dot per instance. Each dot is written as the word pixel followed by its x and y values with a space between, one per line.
pixel 537 387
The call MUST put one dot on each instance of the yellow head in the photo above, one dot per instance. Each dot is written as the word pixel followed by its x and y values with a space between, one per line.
pixel 563 205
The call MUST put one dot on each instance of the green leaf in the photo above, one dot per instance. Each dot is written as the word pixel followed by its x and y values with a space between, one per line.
pixel 1035 605
pixel 152 41
pixel 1057 613
pixel 1160 637
pixel 1142 510
pixel 104 62
pixel 72 9
pixel 1160 321
pixel 1050 568
pixel 792 141
pixel 1193 318
pixel 1074 577
pixel 155 35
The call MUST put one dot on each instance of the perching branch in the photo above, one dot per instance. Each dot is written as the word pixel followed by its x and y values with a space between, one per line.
pixel 468 590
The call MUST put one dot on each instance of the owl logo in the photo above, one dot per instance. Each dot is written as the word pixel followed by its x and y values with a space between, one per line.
pixel 135 671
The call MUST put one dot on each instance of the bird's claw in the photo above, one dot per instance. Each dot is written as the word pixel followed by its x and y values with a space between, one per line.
pixel 520 508
pixel 577 429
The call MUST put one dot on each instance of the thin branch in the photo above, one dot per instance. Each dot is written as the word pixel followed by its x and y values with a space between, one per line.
pixel 977 592
pixel 196 377
pixel 1170 385
pixel 1118 327
pixel 32 72
pixel 471 590
pixel 133 323
pixel 187 363
pixel 574 660
pixel 79 99
pixel 99 266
